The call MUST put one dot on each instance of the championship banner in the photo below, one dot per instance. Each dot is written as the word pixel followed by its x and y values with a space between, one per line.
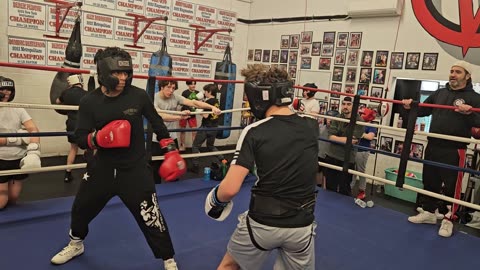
pixel 145 61
pixel 221 42
pixel 154 34
pixel 201 68
pixel 226 19
pixel 183 11
pixel 157 8
pixel 55 53
pixel 106 4
pixel 25 51
pixel 206 16
pixel 181 38
pixel 181 66
pixel 88 55
pixel 208 45
pixel 98 26
pixel 124 30
pixel 67 25
pixel 136 60
pixel 26 15
pixel 226 70
pixel 134 6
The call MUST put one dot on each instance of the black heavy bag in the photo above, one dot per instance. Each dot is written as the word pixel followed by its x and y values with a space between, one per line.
pixel 226 70
pixel 160 65
pixel 73 56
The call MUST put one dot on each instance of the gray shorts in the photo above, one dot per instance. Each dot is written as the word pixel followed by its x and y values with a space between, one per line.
pixel 295 246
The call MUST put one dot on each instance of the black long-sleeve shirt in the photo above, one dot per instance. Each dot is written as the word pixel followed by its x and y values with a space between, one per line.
pixel 96 110
pixel 449 122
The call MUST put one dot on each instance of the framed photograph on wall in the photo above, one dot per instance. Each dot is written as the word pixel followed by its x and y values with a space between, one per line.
pixel 250 55
pixel 305 49
pixel 379 75
pixel 275 56
pixel 284 56
pixel 323 106
pixel 351 75
pixel 285 42
pixel 266 56
pixel 365 75
pixel 294 41
pixel 258 55
pixel 352 58
pixel 334 104
pixel 342 40
pixel 337 74
pixel 381 59
pixel 386 143
pixel 292 71
pixel 398 147
pixel 316 48
pixel 429 61
pixel 416 150
pixel 340 57
pixel 329 38
pixel 396 61
pixel 355 40
pixel 413 59
pixel 362 89
pixel 307 37
pixel 337 87
pixel 306 63
pixel 327 50
pixel 292 57
pixel 367 59
pixel 324 63
pixel 350 88
pixel 376 92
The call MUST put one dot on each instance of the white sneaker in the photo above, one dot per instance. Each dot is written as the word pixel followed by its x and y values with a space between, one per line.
pixel 437 214
pixel 423 217
pixel 170 264
pixel 73 249
pixel 446 228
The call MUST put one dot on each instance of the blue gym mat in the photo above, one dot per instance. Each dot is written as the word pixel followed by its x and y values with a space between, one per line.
pixel 348 237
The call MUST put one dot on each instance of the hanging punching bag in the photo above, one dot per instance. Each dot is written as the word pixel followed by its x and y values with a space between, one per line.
pixel 226 70
pixel 73 56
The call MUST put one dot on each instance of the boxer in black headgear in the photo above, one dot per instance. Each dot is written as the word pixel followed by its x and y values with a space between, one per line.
pixel 309 102
pixel 116 60
pixel 283 146
pixel 7 84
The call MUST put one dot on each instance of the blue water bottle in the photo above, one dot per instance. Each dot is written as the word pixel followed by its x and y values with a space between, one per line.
pixel 206 174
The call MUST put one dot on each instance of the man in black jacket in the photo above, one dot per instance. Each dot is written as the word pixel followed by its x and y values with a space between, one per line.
pixel 459 122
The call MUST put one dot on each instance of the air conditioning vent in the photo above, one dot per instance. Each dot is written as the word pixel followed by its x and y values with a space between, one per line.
pixel 374 8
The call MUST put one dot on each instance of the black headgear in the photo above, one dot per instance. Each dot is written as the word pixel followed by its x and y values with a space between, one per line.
pixel 109 64
pixel 9 84
pixel 263 95
pixel 309 93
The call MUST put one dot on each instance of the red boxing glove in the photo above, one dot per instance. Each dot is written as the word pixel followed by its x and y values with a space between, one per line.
pixel 298 105
pixel 115 134
pixel 174 165
pixel 368 115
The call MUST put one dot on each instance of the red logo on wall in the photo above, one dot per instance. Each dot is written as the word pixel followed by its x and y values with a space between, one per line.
pixel 464 34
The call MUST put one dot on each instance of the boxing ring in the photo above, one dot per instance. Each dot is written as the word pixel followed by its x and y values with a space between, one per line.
pixel 347 237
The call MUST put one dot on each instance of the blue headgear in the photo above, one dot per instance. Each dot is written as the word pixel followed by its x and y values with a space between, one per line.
pixel 263 95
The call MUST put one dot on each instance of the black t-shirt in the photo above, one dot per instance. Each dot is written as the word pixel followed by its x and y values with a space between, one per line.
pixel 72 96
pixel 212 119
pixel 186 94
pixel 285 152
pixel 97 110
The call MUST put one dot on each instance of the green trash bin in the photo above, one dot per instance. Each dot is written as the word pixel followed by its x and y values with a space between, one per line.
pixel 406 195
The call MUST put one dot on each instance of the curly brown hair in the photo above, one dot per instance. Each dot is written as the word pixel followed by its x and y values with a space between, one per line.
pixel 264 74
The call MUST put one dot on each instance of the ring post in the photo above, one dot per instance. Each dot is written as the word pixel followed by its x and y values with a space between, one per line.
pixel 350 128
pixel 402 168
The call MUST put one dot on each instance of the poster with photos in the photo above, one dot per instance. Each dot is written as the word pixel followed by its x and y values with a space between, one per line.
pixel 292 57
pixel 342 40
pixel 266 56
pixel 324 63
pixel 327 50
pixel 316 48
pixel 398 147
pixel 337 74
pixel 376 92
pixel 285 42
pixel 292 71
pixel 294 41
pixel 284 56
pixel 429 61
pixel 250 55
pixel 336 87
pixel 367 58
pixel 329 38
pixel 334 104
pixel 307 36
pixel 340 57
pixel 275 56
pixel 412 61
pixel 352 58
pixel 386 143
pixel 351 76
pixel 362 89
pixel 416 150
pixel 306 63
pixel 396 61
pixel 381 59
pixel 305 49
pixel 350 88
pixel 379 75
pixel 355 40
pixel 365 75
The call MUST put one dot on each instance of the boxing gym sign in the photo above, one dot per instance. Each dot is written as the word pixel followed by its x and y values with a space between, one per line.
pixel 460 36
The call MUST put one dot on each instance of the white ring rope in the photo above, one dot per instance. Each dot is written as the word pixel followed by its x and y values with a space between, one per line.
pixel 415 189
pixel 201 112
pixel 428 134
pixel 84 165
